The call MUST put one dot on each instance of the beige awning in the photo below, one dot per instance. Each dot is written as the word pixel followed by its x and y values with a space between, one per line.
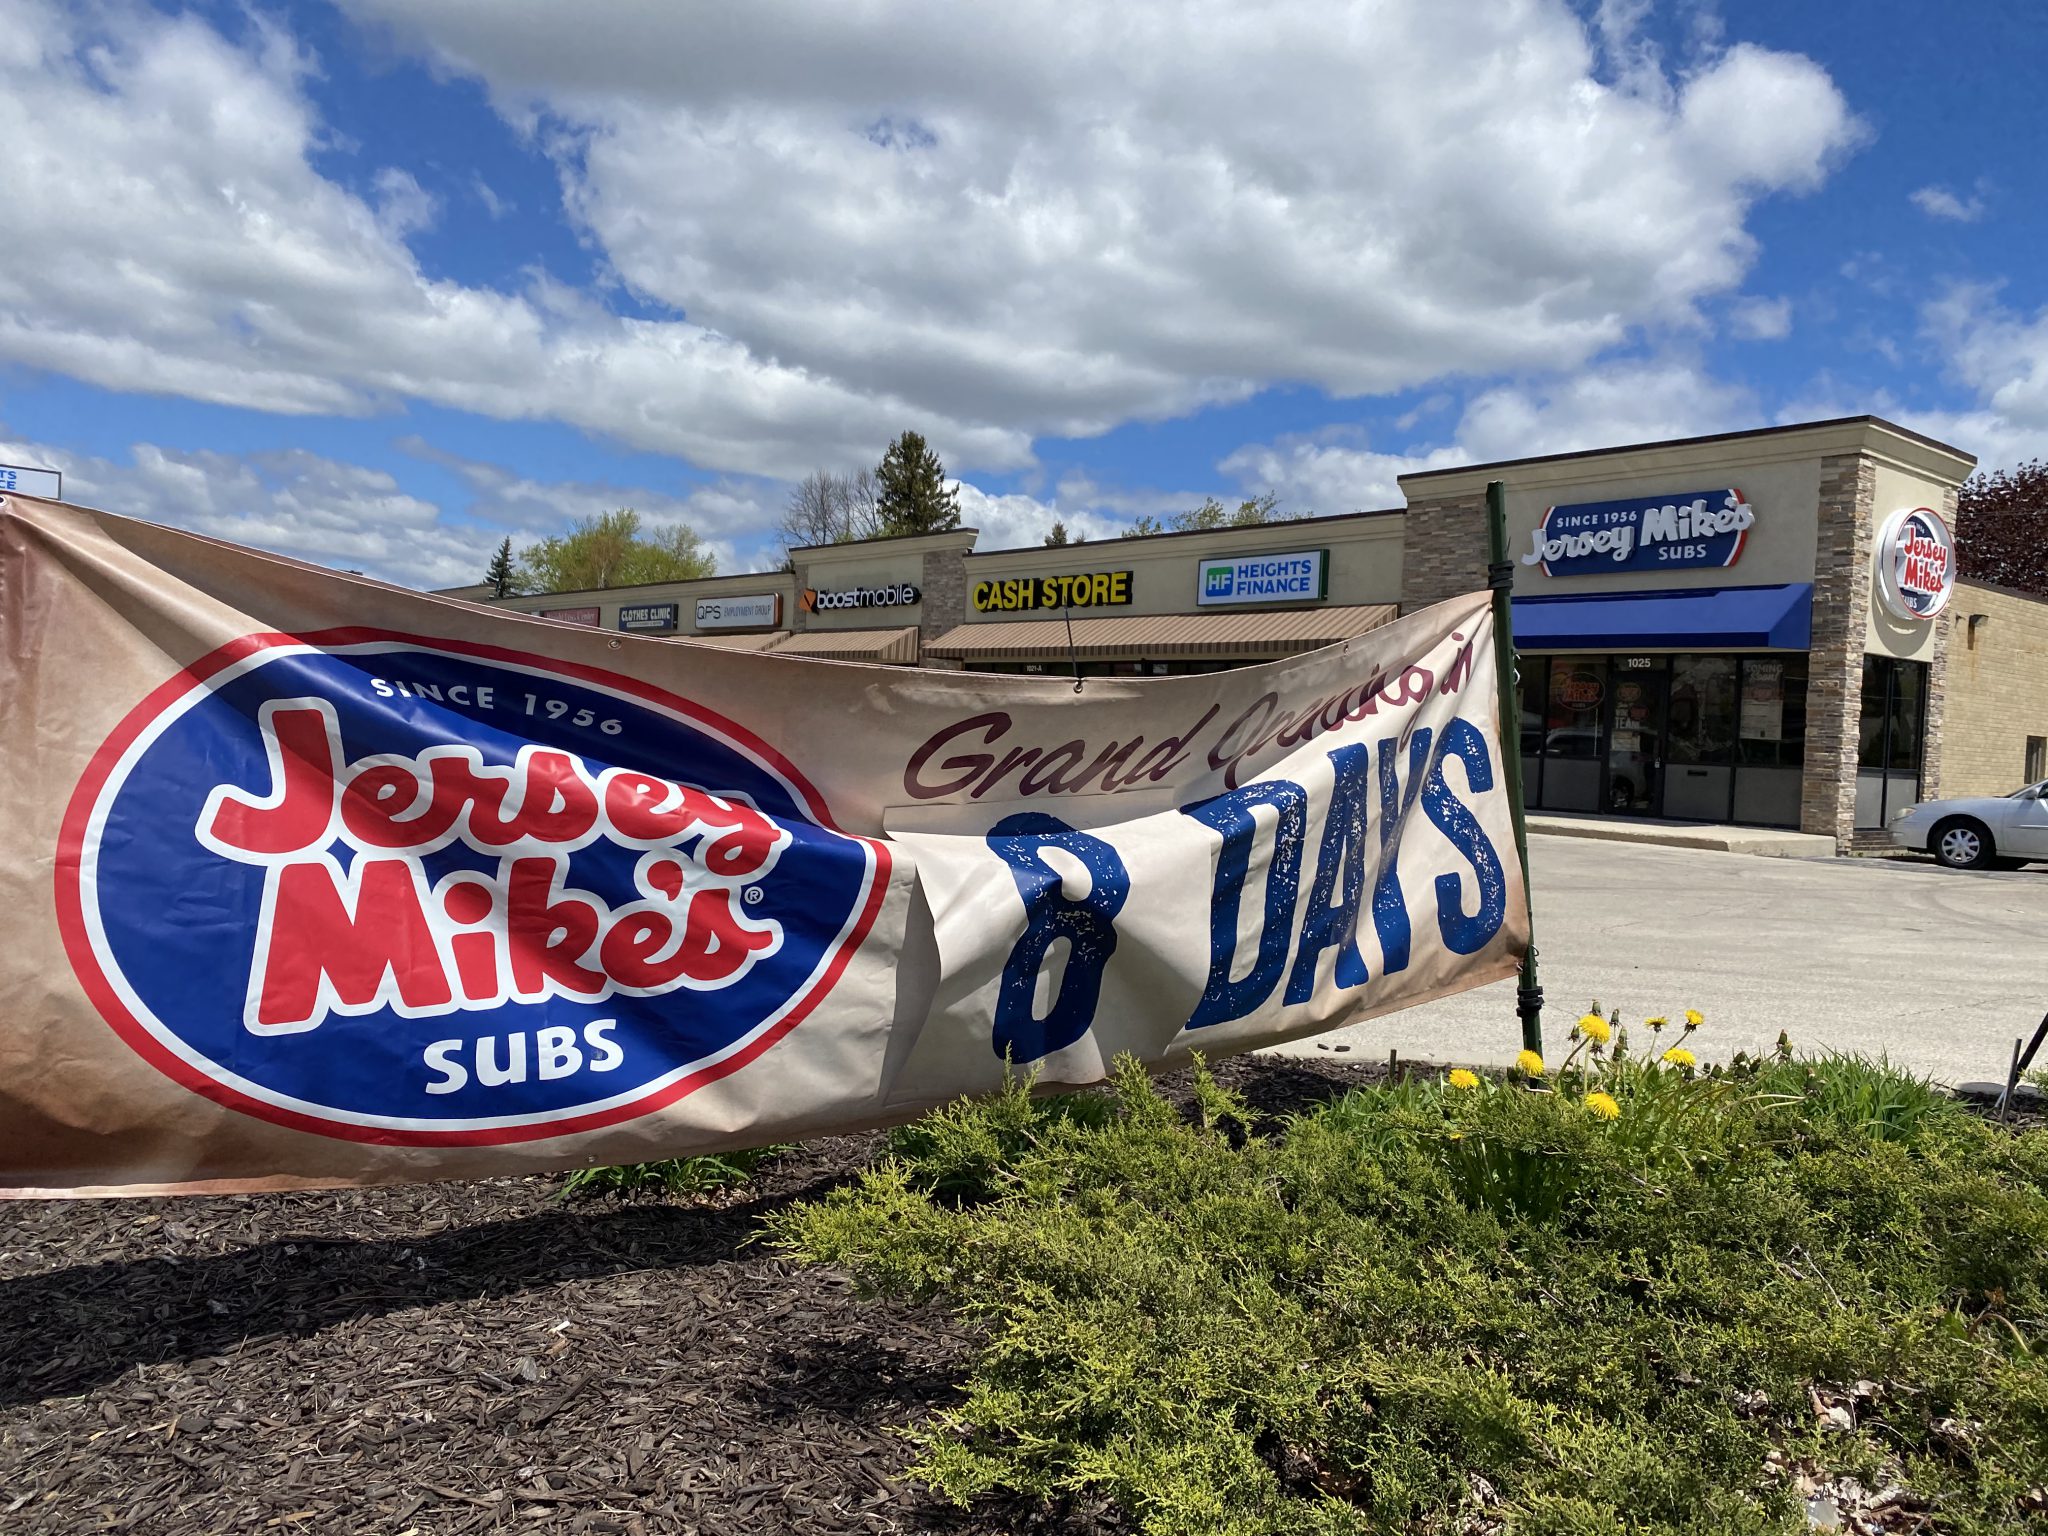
pixel 897 646
pixel 1239 635
pixel 763 640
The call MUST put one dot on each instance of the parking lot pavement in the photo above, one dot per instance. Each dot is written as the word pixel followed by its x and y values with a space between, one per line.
pixel 1937 969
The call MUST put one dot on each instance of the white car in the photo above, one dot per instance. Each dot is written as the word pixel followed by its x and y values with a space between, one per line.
pixel 1979 833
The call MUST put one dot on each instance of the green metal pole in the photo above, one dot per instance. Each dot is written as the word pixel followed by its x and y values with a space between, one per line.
pixel 1500 572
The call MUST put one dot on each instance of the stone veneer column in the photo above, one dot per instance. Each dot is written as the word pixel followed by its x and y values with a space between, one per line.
pixel 1443 549
pixel 1931 752
pixel 944 585
pixel 796 620
pixel 1841 624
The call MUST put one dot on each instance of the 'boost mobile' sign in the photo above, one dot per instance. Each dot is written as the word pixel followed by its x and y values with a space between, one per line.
pixel 443 893
pixel 894 594
pixel 1650 533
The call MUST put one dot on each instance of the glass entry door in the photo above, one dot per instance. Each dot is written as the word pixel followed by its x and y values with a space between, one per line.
pixel 1633 730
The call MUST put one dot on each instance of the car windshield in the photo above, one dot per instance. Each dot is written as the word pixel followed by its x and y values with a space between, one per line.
pixel 2031 792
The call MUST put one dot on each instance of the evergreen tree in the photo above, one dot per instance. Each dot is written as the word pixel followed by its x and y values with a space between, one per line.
pixel 914 496
pixel 503 576
pixel 1058 536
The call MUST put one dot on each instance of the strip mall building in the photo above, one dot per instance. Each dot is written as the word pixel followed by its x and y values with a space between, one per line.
pixel 1760 628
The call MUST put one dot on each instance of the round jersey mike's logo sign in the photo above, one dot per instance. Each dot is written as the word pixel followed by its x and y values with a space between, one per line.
pixel 1916 564
pixel 426 892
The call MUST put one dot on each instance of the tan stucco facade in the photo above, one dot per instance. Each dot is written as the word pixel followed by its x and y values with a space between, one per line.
pixel 1363 563
pixel 1998 691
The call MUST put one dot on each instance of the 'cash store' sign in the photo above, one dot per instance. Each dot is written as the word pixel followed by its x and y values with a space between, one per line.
pixel 1646 533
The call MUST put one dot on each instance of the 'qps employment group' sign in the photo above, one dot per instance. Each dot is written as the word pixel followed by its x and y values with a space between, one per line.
pixel 1643 533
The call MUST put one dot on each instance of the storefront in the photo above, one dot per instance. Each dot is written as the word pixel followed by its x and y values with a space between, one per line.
pixel 1180 603
pixel 1743 629
pixel 1750 628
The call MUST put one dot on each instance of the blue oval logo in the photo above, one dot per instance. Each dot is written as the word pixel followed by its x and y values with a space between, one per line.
pixel 426 892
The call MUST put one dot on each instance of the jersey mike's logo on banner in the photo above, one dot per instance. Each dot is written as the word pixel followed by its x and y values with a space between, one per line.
pixel 416 892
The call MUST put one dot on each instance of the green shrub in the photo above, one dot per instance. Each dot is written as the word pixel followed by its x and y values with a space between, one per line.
pixel 1432 1308
pixel 673 1176
pixel 963 1151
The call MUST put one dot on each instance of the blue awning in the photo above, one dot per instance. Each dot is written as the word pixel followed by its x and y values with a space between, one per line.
pixel 1686 619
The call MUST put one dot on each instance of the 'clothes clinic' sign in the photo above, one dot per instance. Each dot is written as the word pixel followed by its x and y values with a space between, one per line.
pixel 648 615
pixel 444 894
pixel 1291 578
pixel 1085 589
pixel 1648 533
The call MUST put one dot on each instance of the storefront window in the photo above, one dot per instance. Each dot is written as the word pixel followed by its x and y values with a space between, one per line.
pixel 1576 691
pixel 1533 675
pixel 1890 732
pixel 1770 740
pixel 1702 721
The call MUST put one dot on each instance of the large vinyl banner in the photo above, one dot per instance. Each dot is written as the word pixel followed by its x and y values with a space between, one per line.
pixel 309 880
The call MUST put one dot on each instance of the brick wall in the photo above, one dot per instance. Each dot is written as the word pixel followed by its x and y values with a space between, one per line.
pixel 1997 689
pixel 1444 549
pixel 1841 622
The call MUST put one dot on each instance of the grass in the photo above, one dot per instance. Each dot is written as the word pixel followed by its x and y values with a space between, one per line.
pixel 676 1176
pixel 1438 1309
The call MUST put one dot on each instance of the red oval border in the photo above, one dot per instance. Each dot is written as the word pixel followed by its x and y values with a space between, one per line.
pixel 86 965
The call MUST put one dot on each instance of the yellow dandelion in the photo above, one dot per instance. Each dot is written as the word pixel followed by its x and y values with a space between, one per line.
pixel 1529 1064
pixel 1460 1078
pixel 1679 1056
pixel 1658 1022
pixel 1603 1105
pixel 1694 1018
pixel 1596 1029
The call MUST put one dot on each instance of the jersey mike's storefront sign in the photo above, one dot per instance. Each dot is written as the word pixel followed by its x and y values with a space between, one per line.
pixel 440 894
pixel 1085 589
pixel 1916 564
pixel 648 615
pixel 1648 533
pixel 1293 578
pixel 760 610
pixel 894 594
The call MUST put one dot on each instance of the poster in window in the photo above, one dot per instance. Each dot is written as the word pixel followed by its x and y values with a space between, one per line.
pixel 1763 701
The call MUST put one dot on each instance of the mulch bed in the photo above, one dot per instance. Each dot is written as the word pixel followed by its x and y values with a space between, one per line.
pixel 477 1357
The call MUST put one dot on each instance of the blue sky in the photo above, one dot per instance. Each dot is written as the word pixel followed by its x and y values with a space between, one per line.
pixel 380 282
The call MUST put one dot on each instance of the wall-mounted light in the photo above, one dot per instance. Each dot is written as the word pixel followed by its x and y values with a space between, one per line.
pixel 1975 619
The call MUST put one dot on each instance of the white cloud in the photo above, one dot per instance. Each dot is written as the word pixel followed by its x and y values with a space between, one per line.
pixel 497 207
pixel 1625 402
pixel 1330 471
pixel 404 207
pixel 989 223
pixel 291 503
pixel 2001 356
pixel 1760 319
pixel 734 518
pixel 167 233
pixel 352 517
pixel 1940 203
